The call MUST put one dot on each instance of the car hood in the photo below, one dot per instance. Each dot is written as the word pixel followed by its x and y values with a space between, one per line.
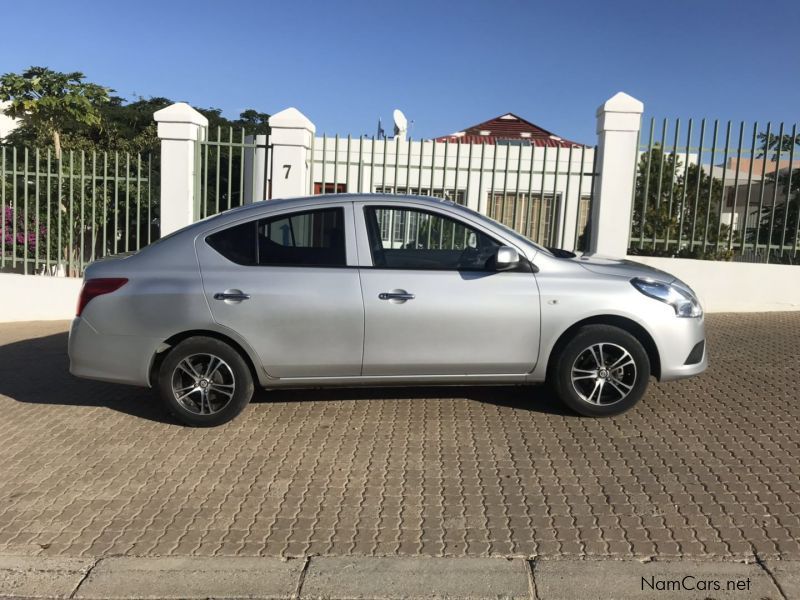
pixel 622 268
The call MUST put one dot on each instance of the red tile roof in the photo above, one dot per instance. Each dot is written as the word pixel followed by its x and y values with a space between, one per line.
pixel 508 127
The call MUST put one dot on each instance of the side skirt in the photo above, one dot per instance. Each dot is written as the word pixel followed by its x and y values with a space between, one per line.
pixel 399 380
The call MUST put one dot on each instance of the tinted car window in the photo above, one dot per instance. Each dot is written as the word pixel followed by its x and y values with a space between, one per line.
pixel 402 238
pixel 310 238
pixel 237 244
pixel 314 238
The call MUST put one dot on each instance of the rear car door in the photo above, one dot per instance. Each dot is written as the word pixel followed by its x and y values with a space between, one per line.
pixel 433 305
pixel 287 283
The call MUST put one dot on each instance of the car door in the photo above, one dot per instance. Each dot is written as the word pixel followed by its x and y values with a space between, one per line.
pixel 288 284
pixel 432 304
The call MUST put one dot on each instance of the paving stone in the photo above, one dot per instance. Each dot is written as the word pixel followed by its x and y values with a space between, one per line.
pixel 701 468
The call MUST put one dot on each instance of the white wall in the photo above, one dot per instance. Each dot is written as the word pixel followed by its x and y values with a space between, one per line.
pixel 37 297
pixel 7 124
pixel 734 286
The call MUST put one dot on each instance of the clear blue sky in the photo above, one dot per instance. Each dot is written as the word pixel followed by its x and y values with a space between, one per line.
pixel 447 64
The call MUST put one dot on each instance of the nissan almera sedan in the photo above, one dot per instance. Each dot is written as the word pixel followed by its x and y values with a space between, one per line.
pixel 347 290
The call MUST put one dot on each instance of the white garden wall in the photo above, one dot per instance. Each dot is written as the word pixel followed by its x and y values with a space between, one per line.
pixel 38 298
pixel 734 286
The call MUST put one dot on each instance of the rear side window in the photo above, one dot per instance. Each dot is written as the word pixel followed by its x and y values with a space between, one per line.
pixel 305 239
pixel 237 244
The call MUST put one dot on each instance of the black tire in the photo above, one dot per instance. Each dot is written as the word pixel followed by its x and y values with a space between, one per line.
pixel 582 395
pixel 216 404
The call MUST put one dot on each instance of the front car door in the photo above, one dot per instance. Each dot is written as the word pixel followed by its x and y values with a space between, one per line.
pixel 287 283
pixel 433 304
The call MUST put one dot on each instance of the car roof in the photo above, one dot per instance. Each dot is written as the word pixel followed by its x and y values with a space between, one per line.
pixel 267 206
pixel 270 205
pixel 347 197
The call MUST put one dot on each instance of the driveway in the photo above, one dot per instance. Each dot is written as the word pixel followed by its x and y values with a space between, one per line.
pixel 704 468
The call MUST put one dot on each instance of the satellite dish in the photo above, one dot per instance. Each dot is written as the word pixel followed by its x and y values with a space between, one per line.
pixel 400 123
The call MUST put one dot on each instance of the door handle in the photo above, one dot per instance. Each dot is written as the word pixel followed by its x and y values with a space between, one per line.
pixel 402 296
pixel 234 295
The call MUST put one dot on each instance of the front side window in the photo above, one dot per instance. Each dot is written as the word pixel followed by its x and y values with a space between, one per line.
pixel 403 238
pixel 305 239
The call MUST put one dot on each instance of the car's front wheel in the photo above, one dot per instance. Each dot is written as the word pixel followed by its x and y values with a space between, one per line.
pixel 204 382
pixel 602 371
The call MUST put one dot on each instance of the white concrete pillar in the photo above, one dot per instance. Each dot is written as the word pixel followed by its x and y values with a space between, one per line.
pixel 180 128
pixel 291 134
pixel 618 123
pixel 255 169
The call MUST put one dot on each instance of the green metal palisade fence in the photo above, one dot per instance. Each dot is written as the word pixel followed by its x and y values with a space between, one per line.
pixel 522 186
pixel 717 190
pixel 58 216
pixel 222 182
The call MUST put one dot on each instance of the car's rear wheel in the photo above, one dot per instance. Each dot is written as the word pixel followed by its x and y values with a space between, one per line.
pixel 204 382
pixel 602 371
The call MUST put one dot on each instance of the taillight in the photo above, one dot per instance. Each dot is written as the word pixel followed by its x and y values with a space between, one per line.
pixel 92 288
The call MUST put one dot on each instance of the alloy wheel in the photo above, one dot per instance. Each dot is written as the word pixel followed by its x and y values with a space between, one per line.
pixel 203 384
pixel 603 374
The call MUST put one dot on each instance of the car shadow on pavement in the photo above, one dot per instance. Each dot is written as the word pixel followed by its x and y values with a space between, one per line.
pixel 36 371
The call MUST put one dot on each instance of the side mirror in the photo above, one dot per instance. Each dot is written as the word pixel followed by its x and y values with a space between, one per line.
pixel 506 258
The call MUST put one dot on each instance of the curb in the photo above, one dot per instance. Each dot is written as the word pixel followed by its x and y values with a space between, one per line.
pixel 339 578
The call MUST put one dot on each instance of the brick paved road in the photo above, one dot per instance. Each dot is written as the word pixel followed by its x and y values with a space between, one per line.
pixel 705 467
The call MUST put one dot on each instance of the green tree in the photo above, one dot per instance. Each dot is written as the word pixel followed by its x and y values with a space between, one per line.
pixel 673 203
pixel 50 102
pixel 657 175
pixel 778 226
pixel 71 114
pixel 252 121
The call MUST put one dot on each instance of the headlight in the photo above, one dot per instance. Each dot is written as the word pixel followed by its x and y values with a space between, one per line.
pixel 683 301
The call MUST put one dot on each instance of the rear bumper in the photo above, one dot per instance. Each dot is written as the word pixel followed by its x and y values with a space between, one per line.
pixel 113 358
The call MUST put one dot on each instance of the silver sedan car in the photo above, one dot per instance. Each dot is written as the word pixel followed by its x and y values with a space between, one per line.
pixel 346 290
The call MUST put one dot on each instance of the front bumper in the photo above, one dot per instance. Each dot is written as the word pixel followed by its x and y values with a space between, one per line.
pixel 113 358
pixel 675 342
